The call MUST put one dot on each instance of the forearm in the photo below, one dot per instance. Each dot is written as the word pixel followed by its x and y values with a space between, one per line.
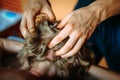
pixel 104 74
pixel 105 8
pixel 11 46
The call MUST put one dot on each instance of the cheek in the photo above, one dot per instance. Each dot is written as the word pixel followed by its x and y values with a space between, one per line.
pixel 50 54
pixel 41 68
pixel 51 71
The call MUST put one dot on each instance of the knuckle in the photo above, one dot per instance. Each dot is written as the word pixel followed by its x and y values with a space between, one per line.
pixel 31 10
pixel 59 38
pixel 73 52
pixel 71 25
pixel 52 18
pixel 69 47
pixel 69 54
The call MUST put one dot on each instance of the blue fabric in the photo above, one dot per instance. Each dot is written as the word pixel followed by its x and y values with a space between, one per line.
pixel 83 3
pixel 106 39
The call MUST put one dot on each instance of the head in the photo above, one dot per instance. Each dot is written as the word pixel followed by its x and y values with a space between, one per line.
pixel 40 60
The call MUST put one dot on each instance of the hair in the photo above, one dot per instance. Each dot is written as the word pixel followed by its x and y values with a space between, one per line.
pixel 36 50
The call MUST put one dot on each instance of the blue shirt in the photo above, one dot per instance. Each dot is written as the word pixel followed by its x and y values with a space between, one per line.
pixel 106 39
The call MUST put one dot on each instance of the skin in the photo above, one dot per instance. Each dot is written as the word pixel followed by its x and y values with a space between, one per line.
pixel 39 71
pixel 27 25
pixel 80 23
pixel 13 47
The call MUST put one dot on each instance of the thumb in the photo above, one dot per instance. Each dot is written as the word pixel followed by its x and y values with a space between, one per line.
pixel 50 13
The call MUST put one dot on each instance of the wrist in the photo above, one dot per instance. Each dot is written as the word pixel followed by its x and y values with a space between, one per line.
pixel 105 8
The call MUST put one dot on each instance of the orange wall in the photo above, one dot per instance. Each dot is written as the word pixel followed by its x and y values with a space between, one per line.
pixel 60 7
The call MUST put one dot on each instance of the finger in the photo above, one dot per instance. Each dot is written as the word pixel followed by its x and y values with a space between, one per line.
pixel 64 22
pixel 61 36
pixel 70 43
pixel 76 48
pixel 30 24
pixel 30 20
pixel 50 13
pixel 23 27
pixel 41 17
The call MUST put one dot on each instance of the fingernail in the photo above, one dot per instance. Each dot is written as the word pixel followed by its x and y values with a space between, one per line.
pixel 52 19
pixel 63 56
pixel 58 53
pixel 50 45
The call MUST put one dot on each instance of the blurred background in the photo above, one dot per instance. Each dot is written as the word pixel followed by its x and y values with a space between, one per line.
pixel 11 14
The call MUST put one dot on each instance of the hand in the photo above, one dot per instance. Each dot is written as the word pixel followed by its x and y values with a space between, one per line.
pixel 10 46
pixel 34 8
pixel 78 26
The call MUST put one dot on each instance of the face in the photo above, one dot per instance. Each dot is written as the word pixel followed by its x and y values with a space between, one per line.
pixel 34 56
pixel 44 68
pixel 43 64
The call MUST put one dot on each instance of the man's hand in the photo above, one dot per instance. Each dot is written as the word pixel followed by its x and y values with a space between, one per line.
pixel 79 25
pixel 34 8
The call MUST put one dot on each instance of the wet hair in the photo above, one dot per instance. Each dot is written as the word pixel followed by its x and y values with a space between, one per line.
pixel 36 49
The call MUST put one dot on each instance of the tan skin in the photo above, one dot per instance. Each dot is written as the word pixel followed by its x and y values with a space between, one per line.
pixel 39 70
pixel 13 47
pixel 78 25
pixel 40 6
pixel 12 74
